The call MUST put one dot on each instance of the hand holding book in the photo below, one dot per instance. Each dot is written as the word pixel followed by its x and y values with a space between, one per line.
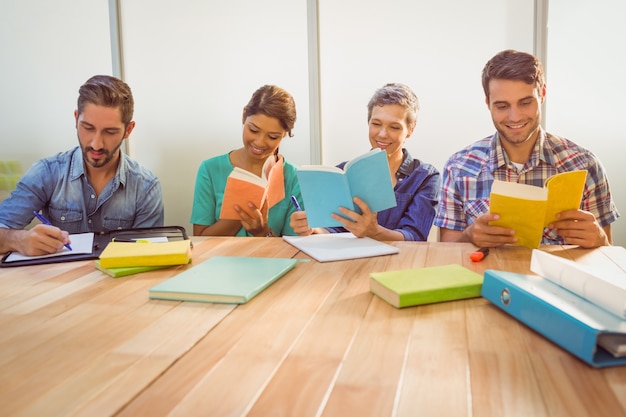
pixel 528 209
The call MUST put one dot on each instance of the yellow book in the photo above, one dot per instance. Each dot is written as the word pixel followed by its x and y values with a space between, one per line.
pixel 528 209
pixel 126 254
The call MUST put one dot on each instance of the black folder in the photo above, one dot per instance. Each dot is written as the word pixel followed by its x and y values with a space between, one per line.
pixel 100 240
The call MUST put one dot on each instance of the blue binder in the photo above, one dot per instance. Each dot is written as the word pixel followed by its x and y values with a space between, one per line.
pixel 561 316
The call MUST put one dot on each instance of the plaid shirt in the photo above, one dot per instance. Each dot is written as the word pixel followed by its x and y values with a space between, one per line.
pixel 469 173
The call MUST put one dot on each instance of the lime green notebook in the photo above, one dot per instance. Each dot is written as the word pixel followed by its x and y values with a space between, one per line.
pixel 224 279
pixel 428 285
pixel 127 270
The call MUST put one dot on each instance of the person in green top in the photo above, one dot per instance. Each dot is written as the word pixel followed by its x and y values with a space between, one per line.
pixel 268 117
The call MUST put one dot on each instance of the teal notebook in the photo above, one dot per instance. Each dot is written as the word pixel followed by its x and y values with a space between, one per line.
pixel 410 287
pixel 325 188
pixel 224 279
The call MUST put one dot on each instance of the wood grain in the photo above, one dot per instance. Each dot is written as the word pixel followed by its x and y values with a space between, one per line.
pixel 75 342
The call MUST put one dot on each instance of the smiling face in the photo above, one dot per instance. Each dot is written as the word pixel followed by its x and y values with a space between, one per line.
pixel 261 136
pixel 388 128
pixel 100 134
pixel 515 108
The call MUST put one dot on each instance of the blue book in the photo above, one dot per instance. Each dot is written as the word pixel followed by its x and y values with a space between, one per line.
pixel 223 279
pixel 587 331
pixel 325 188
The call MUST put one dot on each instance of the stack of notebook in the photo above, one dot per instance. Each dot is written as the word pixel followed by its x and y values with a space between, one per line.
pixel 130 257
pixel 579 305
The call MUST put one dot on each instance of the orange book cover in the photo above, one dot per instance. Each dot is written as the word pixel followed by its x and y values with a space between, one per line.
pixel 243 186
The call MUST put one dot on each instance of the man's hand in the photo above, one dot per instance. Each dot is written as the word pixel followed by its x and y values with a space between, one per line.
pixel 580 227
pixel 481 234
pixel 40 240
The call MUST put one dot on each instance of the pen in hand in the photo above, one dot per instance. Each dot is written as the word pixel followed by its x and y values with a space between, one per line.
pixel 47 222
pixel 295 203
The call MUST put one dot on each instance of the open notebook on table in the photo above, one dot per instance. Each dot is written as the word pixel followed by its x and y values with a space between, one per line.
pixel 339 246
pixel 90 245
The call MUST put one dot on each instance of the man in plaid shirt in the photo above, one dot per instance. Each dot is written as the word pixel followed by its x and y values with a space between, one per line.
pixel 520 151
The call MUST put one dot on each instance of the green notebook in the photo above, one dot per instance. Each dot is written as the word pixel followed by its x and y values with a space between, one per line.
pixel 434 284
pixel 224 279
pixel 127 270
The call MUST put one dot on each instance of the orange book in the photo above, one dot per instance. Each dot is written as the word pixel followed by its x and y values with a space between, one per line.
pixel 243 186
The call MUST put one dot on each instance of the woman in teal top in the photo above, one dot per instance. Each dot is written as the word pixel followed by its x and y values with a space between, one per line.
pixel 268 117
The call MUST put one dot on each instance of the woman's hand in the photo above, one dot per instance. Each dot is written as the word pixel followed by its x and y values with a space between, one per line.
pixel 254 220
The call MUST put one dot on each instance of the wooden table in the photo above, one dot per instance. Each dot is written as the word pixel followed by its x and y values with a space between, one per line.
pixel 316 343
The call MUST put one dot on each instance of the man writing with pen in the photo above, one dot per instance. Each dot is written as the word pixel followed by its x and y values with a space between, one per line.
pixel 91 188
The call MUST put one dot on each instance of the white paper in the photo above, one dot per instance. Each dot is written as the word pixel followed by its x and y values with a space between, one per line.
pixel 81 243
pixel 339 246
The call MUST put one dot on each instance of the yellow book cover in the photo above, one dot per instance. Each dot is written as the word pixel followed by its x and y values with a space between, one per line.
pixel 127 254
pixel 528 209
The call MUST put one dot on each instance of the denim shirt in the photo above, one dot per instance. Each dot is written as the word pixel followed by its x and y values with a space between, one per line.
pixel 417 192
pixel 59 187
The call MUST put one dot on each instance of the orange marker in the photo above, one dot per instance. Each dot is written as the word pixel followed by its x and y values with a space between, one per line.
pixel 479 255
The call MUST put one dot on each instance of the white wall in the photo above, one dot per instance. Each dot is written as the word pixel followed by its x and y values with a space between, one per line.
pixel 586 84
pixel 48 49
pixel 193 64
pixel 438 48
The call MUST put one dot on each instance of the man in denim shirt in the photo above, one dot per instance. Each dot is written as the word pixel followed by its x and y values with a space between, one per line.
pixel 391 117
pixel 91 188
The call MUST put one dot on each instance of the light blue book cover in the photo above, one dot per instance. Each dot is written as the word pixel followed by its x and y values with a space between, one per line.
pixel 324 188
pixel 224 279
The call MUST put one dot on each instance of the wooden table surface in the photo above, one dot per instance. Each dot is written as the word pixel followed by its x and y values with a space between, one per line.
pixel 74 341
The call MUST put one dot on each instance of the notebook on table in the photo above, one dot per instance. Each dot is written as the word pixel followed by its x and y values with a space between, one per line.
pixel 224 279
pixel 339 246
pixel 87 246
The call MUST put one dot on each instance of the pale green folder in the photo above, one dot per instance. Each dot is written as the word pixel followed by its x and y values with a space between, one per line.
pixel 428 285
pixel 224 279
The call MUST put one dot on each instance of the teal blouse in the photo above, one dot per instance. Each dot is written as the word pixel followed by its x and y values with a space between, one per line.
pixel 209 194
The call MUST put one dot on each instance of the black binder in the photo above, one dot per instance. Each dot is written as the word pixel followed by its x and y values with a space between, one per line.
pixel 100 240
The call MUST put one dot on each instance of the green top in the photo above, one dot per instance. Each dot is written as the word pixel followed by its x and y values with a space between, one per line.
pixel 209 194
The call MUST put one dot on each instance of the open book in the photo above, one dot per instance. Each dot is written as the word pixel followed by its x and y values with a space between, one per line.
pixel 243 186
pixel 324 188
pixel 599 276
pixel 528 209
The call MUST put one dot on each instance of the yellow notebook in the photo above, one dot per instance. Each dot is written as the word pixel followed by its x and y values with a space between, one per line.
pixel 126 254
pixel 528 209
